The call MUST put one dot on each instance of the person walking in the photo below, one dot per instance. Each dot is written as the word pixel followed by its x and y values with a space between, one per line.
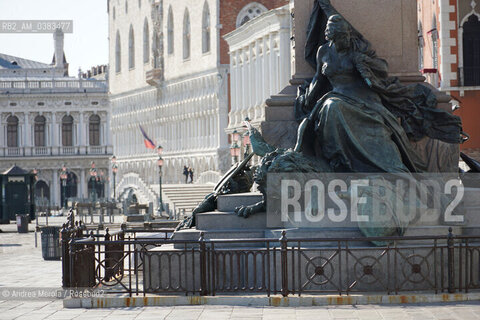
pixel 185 173
pixel 190 173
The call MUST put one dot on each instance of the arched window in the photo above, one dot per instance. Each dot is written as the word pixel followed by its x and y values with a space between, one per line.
pixel 42 193
pixel 206 28
pixel 12 132
pixel 118 54
pixel 186 35
pixel 94 130
pixel 250 11
pixel 70 187
pixel 471 51
pixel 39 131
pixel 126 6
pixel 131 49
pixel 170 31
pixel 146 42
pixel 67 131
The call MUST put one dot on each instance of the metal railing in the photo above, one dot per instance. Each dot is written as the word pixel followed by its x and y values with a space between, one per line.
pixel 127 264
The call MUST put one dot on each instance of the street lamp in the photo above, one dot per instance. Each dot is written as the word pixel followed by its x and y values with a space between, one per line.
pixel 160 165
pixel 246 144
pixel 235 135
pixel 235 148
pixel 93 178
pixel 63 179
pixel 114 171
pixel 246 138
pixel 235 151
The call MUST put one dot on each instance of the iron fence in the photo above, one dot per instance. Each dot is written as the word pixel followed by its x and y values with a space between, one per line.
pixel 128 262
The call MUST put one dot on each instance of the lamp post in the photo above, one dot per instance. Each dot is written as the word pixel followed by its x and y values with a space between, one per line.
pixel 160 165
pixel 114 171
pixel 35 179
pixel 246 144
pixel 235 152
pixel 63 179
pixel 235 148
pixel 93 178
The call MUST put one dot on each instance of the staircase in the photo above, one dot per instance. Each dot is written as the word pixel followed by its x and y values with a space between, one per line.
pixel 184 196
pixel 144 193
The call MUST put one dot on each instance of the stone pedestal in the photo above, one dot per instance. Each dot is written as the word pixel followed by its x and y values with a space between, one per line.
pixel 391 27
pixel 393 34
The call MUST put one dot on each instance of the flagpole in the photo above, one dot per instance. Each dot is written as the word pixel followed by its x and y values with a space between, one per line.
pixel 160 165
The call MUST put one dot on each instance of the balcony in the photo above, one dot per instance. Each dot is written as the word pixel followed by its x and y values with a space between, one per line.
pixel 97 150
pixel 68 150
pixel 72 85
pixel 41 151
pixel 14 152
pixel 154 77
pixel 54 151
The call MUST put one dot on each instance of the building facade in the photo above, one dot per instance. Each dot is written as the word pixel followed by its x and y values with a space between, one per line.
pixel 50 121
pixel 170 75
pixel 449 53
pixel 260 66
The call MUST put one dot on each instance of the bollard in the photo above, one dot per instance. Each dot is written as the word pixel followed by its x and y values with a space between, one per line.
pixel 450 265
pixel 65 258
pixel 284 261
pixel 203 265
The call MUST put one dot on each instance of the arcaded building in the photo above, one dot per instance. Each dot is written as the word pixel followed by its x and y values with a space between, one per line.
pixel 50 122
pixel 169 74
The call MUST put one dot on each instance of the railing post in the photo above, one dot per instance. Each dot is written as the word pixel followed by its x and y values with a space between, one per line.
pixel 203 265
pixel 450 264
pixel 65 258
pixel 71 254
pixel 284 263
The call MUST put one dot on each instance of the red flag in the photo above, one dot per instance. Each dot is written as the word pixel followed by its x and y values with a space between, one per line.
pixel 148 142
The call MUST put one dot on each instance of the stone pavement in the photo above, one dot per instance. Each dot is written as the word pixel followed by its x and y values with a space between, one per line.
pixel 22 266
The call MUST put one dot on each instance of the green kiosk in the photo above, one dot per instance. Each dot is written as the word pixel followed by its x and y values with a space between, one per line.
pixel 18 194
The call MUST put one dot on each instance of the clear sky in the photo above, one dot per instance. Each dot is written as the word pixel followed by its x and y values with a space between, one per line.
pixel 87 46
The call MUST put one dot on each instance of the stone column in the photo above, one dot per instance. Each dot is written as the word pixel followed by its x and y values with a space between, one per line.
pixel 266 67
pixel 233 81
pixel 3 127
pixel 55 192
pixel 81 141
pixel 83 186
pixel 108 141
pixel 284 47
pixel 273 65
pixel 26 129
pixel 54 132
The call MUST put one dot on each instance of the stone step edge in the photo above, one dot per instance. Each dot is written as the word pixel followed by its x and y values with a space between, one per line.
pixel 263 300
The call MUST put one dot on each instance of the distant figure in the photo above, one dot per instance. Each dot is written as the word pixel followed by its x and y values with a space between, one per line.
pixel 185 173
pixel 190 172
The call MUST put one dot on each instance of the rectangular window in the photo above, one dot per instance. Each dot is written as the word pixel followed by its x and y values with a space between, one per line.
pixel 94 134
pixel 67 134
pixel 39 135
pixel 12 136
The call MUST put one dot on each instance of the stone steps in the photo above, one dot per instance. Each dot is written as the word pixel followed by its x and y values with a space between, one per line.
pixel 184 197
